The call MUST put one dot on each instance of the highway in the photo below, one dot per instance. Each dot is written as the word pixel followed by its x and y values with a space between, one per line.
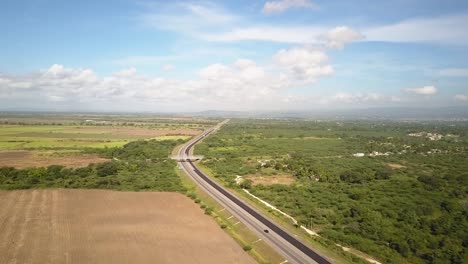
pixel 286 244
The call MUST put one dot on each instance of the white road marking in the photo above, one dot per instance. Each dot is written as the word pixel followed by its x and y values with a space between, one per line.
pixel 237 223
pixel 285 261
pixel 230 217
pixel 256 241
pixel 221 210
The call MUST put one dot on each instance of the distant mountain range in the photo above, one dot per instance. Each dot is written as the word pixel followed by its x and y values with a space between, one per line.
pixel 388 113
pixel 443 113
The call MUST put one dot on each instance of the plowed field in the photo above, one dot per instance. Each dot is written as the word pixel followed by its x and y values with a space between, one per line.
pixel 95 226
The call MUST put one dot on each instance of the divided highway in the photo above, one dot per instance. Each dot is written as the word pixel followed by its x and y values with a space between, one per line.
pixel 286 244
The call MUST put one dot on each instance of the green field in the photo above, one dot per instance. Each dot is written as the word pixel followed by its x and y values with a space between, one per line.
pixel 136 148
pixel 34 141
pixel 20 137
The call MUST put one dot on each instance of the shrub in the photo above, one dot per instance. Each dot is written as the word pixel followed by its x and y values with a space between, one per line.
pixel 247 247
pixel 106 169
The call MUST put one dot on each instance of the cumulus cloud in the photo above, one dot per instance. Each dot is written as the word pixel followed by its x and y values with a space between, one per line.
pixel 303 63
pixel 461 98
pixel 241 84
pixel 426 90
pixel 282 5
pixel 339 36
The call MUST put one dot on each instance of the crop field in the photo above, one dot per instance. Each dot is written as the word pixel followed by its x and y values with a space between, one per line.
pixel 96 226
pixel 394 190
pixel 23 159
pixel 73 140
pixel 16 137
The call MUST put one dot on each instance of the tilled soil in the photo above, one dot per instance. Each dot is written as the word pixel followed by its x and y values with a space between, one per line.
pixel 97 226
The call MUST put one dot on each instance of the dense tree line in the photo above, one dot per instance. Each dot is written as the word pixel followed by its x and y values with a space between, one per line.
pixel 416 211
pixel 140 165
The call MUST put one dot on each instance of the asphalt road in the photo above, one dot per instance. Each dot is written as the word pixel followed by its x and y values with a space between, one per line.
pixel 286 244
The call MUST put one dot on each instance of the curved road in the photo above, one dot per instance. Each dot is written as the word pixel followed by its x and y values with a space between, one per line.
pixel 286 244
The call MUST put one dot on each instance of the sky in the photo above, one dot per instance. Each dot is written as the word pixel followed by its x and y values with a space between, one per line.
pixel 240 55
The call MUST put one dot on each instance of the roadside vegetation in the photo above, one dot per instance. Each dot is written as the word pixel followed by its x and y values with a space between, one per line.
pixel 139 165
pixel 120 152
pixel 394 190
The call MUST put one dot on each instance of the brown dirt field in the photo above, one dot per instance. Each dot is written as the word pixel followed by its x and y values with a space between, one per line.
pixel 97 226
pixel 270 179
pixel 26 159
pixel 141 131
pixel 395 166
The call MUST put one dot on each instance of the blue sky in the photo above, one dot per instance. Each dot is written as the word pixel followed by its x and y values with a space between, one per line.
pixel 140 55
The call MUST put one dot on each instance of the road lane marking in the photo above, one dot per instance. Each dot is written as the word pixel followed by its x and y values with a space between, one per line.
pixel 285 261
pixel 256 241
pixel 221 210
pixel 230 217
pixel 237 223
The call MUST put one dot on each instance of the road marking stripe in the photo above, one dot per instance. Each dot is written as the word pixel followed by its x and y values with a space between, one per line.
pixel 230 217
pixel 256 241
pixel 285 261
pixel 236 223
pixel 221 210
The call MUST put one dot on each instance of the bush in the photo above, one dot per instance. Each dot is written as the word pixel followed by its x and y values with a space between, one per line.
pixel 247 247
pixel 106 169
pixel 246 184
pixel 352 177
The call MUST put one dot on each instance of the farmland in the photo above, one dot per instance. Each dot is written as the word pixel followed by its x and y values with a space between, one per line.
pixel 14 137
pixel 96 226
pixel 394 190
pixel 57 221
pixel 24 159
pixel 71 140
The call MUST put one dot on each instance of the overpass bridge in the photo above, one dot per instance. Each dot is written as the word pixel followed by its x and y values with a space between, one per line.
pixel 184 158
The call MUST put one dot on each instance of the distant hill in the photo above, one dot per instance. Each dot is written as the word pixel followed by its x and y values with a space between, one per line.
pixel 387 113
pixel 395 113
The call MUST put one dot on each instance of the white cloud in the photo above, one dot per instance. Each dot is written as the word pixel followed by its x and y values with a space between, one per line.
pixel 461 98
pixel 304 64
pixel 426 90
pixel 267 33
pixel 209 13
pixel 126 73
pixel 336 37
pixel 454 72
pixel 352 98
pixel 240 85
pixel 339 36
pixel 188 17
pixel 443 30
pixel 212 23
pixel 282 5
